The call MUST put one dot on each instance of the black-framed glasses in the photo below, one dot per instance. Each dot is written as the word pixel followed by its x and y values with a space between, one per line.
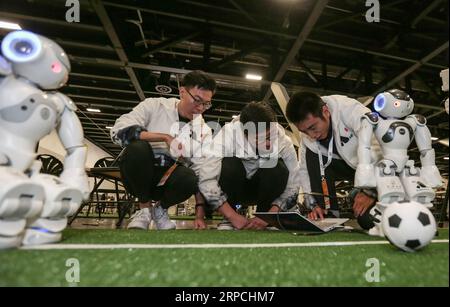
pixel 198 101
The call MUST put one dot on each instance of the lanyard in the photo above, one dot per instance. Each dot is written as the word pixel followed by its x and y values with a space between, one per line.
pixel 325 190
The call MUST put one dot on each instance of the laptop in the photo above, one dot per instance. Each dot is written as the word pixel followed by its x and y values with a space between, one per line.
pixel 296 221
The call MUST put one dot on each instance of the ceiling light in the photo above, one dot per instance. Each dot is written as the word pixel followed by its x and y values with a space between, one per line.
pixel 445 158
pixel 10 25
pixel 109 127
pixel 433 138
pixel 94 110
pixel 253 77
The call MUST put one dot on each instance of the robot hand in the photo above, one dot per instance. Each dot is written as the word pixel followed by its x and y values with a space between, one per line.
pixel 5 67
pixel 431 176
pixel 365 176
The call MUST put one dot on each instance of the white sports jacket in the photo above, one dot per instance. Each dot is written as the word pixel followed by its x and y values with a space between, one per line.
pixel 230 141
pixel 346 117
pixel 160 115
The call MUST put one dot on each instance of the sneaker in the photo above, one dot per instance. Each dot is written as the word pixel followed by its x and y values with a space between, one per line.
pixel 161 218
pixel 141 219
pixel 225 225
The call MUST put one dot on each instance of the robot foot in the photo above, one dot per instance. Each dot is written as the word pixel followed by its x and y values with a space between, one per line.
pixel 10 242
pixel 376 231
pixel 40 236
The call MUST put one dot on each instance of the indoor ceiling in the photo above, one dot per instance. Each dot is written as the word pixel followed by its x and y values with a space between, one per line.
pixel 125 51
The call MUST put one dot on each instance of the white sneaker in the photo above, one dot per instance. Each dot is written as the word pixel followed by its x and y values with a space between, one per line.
pixel 141 219
pixel 225 225
pixel 161 218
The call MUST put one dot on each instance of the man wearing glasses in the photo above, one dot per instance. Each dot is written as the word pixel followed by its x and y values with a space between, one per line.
pixel 163 139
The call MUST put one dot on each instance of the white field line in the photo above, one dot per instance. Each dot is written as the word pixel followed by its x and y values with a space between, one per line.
pixel 203 246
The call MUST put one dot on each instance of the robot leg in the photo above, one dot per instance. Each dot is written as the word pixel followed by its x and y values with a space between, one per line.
pixel 415 189
pixel 20 199
pixel 390 189
pixel 375 214
pixel 61 201
pixel 389 186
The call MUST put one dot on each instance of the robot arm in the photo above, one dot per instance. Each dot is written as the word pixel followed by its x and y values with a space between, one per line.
pixel 5 67
pixel 70 132
pixel 429 172
pixel 364 177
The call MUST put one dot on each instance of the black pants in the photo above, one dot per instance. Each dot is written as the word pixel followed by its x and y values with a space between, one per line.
pixel 337 170
pixel 141 174
pixel 262 189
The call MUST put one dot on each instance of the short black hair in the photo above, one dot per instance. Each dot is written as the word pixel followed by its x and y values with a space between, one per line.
pixel 302 104
pixel 200 79
pixel 257 112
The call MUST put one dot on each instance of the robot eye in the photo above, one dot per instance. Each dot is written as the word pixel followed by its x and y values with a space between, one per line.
pixel 397 104
pixel 22 47
pixel 380 102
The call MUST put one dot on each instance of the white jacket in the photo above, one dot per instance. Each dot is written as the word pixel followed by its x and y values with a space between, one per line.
pixel 160 115
pixel 346 116
pixel 229 142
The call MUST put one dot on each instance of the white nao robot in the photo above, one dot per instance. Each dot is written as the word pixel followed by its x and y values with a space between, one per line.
pixel 34 207
pixel 395 176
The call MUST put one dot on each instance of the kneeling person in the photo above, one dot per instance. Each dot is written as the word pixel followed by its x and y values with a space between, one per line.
pixel 251 161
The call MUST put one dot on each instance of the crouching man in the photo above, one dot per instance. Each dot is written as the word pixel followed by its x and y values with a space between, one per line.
pixel 251 161
pixel 163 140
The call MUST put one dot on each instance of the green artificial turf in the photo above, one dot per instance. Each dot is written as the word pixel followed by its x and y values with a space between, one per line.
pixel 298 266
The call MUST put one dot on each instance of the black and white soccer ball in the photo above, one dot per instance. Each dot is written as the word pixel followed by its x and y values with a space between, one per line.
pixel 410 225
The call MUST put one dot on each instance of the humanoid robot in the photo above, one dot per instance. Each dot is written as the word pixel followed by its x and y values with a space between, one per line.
pixel 34 207
pixel 395 176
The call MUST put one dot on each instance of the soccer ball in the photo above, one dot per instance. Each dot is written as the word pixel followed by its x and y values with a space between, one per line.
pixel 410 226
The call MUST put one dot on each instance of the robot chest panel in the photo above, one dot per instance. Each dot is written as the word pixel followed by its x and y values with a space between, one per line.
pixel 394 133
pixel 34 116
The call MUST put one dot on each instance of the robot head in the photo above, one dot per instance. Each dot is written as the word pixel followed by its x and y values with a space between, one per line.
pixel 394 104
pixel 37 59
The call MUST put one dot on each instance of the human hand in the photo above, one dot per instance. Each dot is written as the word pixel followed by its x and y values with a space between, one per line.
pixel 256 224
pixel 316 213
pixel 361 203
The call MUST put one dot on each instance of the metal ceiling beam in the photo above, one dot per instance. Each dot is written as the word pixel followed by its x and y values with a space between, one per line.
pixel 97 88
pixel 78 25
pixel 109 28
pixel 371 52
pixel 425 12
pixel 109 100
pixel 415 21
pixel 413 68
pixel 436 114
pixel 66 43
pixel 358 14
pixel 431 90
pixel 243 11
pixel 170 42
pixel 309 72
pixel 316 12
pixel 284 35
pixel 236 56
pixel 91 76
